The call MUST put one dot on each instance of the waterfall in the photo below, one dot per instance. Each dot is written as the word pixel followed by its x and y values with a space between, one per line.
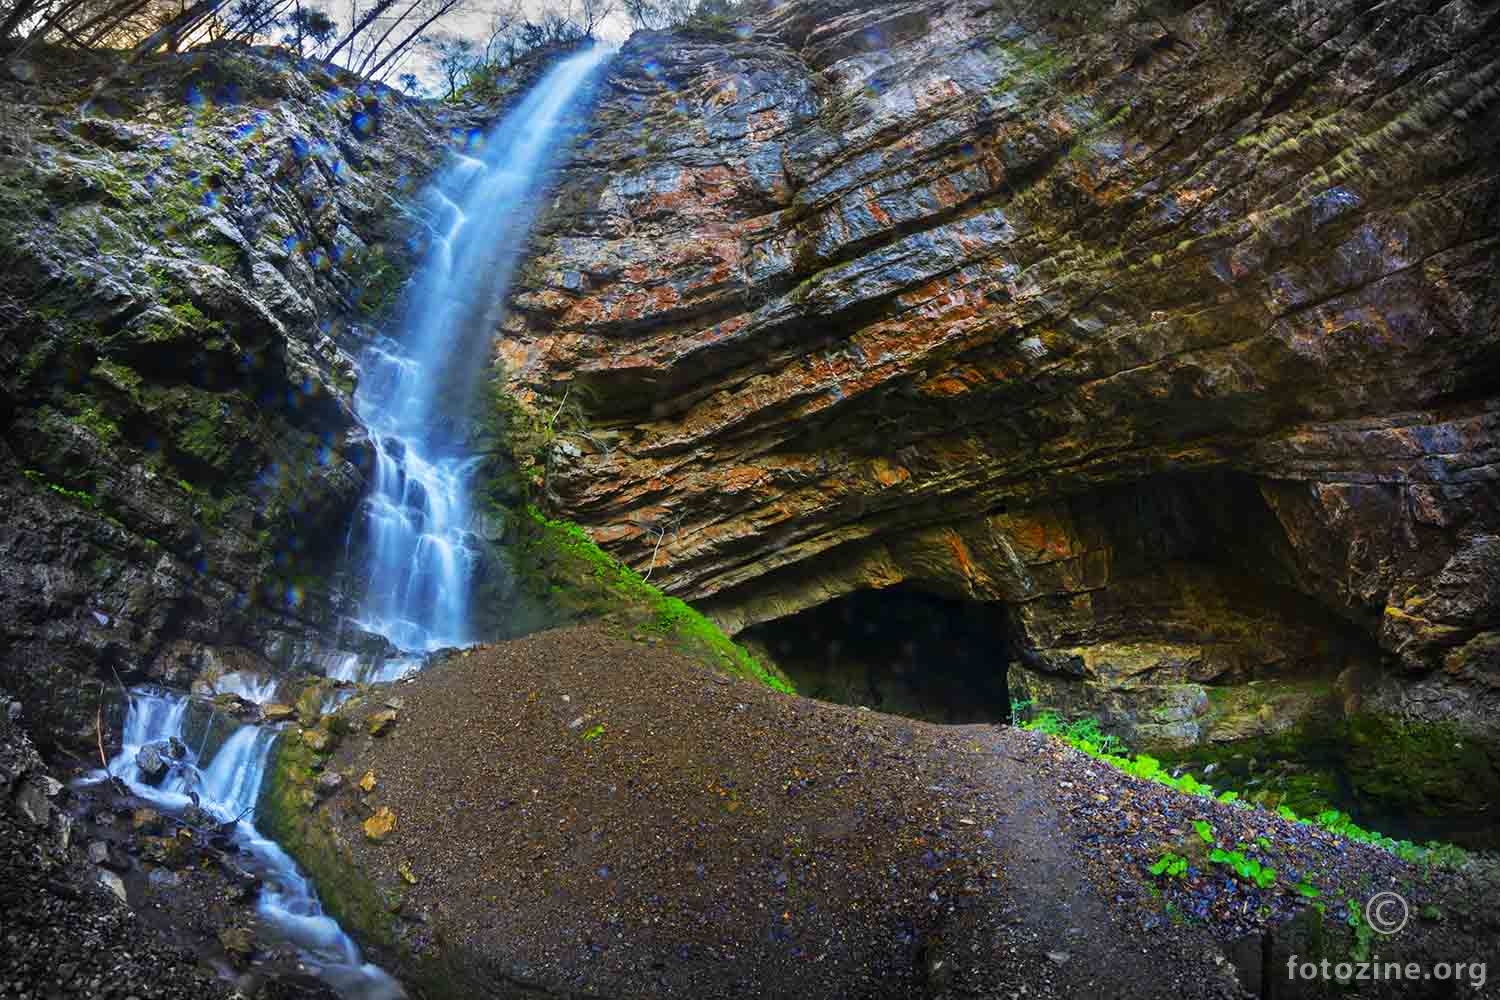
pixel 420 555
pixel 251 687
pixel 227 788
pixel 419 551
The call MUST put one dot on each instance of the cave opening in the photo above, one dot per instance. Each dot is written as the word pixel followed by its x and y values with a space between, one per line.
pixel 901 649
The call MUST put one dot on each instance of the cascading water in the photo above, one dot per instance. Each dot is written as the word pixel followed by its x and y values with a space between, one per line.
pixel 251 687
pixel 420 554
pixel 420 557
pixel 227 789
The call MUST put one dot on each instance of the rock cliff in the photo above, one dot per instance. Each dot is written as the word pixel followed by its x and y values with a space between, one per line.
pixel 1168 329
pixel 187 252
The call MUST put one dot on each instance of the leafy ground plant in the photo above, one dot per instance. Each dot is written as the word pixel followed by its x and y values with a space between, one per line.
pixel 1171 865
pixel 1087 736
pixel 1247 868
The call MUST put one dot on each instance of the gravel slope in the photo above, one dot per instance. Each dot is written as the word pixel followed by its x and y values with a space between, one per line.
pixel 580 814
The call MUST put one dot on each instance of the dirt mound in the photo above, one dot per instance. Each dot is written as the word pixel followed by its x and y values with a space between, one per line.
pixel 576 812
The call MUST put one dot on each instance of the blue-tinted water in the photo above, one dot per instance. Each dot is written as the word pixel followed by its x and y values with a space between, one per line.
pixel 419 550
pixel 420 555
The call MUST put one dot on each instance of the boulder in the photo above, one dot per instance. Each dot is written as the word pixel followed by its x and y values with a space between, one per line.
pixel 35 797
pixel 156 760
pixel 114 884
pixel 380 825
pixel 380 723
pixel 330 783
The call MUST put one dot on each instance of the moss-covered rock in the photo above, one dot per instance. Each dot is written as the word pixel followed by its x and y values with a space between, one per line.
pixel 570 578
pixel 184 254
pixel 1430 768
pixel 289 811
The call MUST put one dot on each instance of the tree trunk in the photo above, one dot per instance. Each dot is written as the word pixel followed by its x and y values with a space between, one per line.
pixel 384 35
pixel 22 12
pixel 417 31
pixel 169 33
pixel 380 8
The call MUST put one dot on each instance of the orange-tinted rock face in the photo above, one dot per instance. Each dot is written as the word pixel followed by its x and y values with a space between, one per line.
pixel 970 294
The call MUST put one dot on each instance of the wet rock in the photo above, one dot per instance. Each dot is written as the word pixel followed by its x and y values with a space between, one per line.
pixel 240 884
pixel 156 760
pixel 275 712
pixel 171 851
pixel 67 926
pixel 144 819
pixel 238 941
pixel 114 884
pixel 317 739
pixel 162 879
pixel 187 281
pixel 108 855
pixel 199 818
pixel 330 783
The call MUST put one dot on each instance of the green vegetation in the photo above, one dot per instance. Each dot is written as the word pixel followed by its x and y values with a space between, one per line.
pixel 1247 868
pixel 287 811
pixel 668 616
pixel 1170 865
pixel 383 278
pixel 1086 735
pixel 1364 936
pixel 1306 889
pixel 77 496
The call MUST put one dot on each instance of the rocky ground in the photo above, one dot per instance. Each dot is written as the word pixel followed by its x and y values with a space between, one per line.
pixel 580 813
pixel 66 932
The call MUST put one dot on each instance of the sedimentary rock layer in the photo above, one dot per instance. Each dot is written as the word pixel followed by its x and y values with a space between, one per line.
pixel 1172 326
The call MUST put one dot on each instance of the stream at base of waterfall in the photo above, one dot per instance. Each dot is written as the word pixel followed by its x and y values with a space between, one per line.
pixel 415 527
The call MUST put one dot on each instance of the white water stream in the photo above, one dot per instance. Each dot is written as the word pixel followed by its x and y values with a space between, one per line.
pixel 420 553
pixel 227 787
pixel 420 556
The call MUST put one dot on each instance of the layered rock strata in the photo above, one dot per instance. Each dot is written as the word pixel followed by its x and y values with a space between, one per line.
pixel 1168 328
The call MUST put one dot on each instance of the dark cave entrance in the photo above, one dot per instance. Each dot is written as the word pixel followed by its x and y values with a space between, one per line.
pixel 902 650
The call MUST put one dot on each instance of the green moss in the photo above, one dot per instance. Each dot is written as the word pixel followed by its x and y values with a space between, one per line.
pixel 84 412
pixel 1297 768
pixel 1030 64
pixel 381 280
pixel 1433 768
pixel 222 255
pixel 288 811
pixel 1086 736
pixel 192 317
pixel 606 585
pixel 77 496
pixel 121 377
